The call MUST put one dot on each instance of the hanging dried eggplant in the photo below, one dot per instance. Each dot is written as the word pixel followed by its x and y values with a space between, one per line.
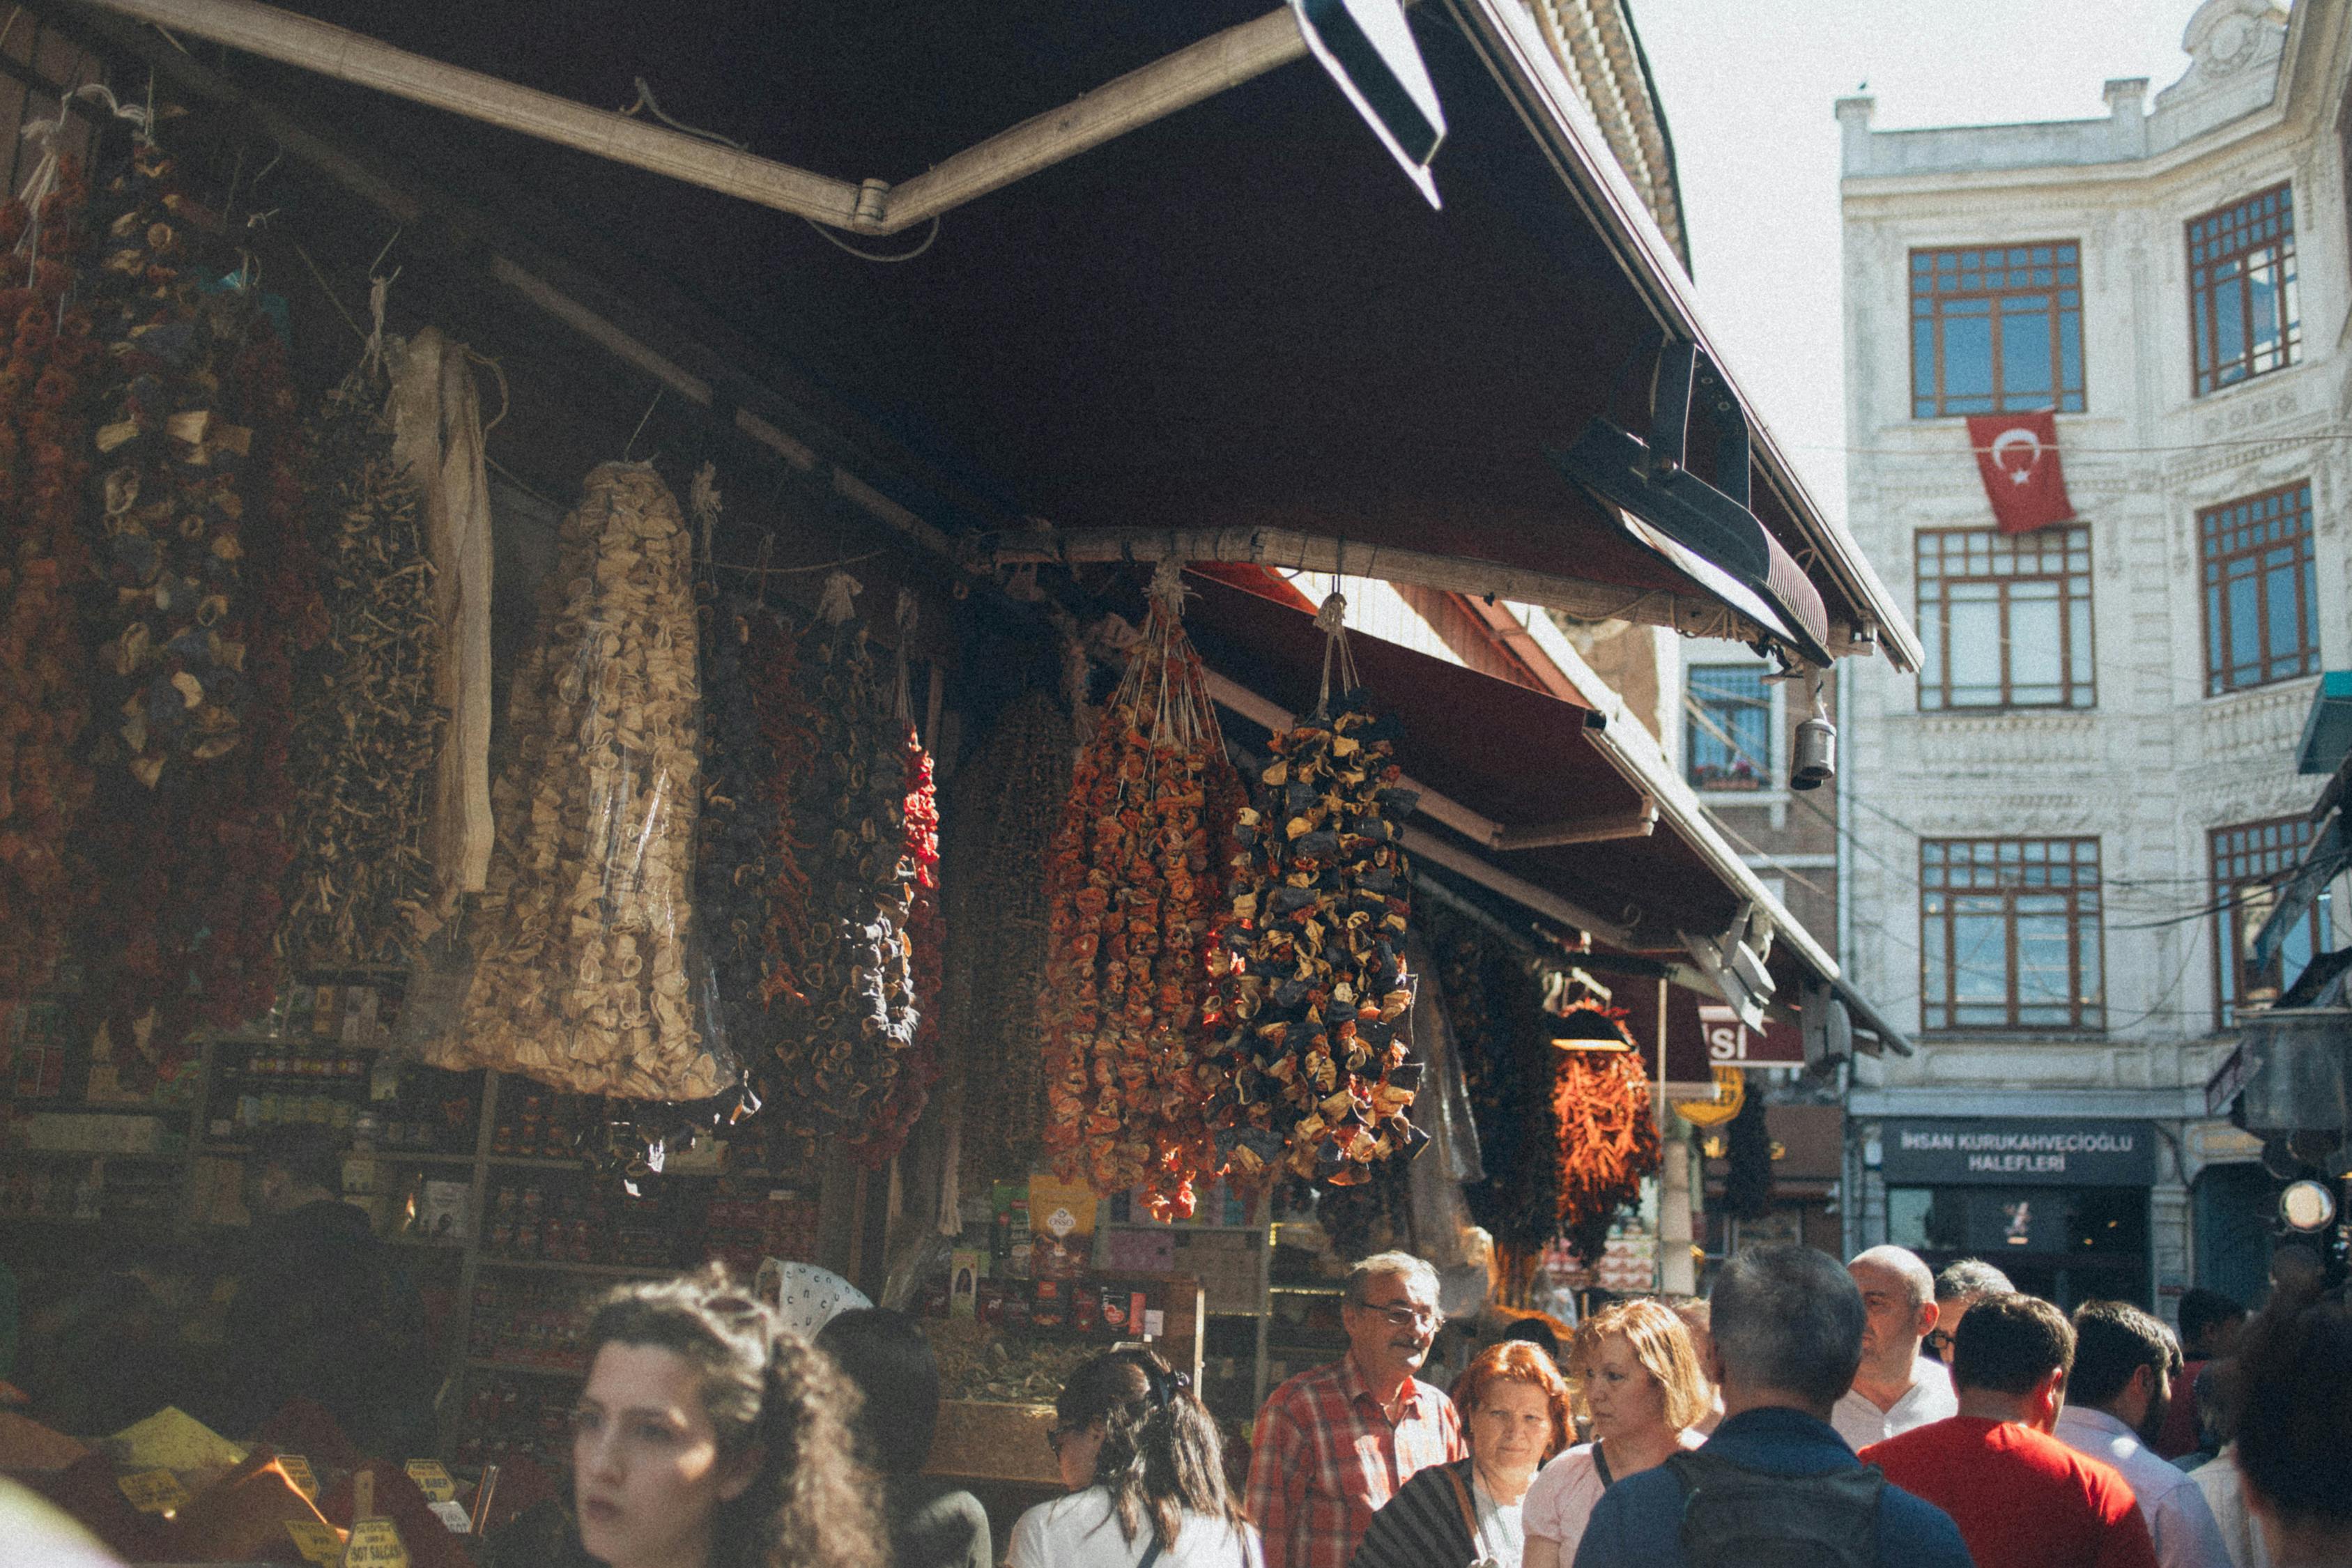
pixel 1313 1066
pixel 1132 893
pixel 887 1132
pixel 581 981
pixel 367 729
pixel 44 409
pixel 1511 1073
pixel 738 828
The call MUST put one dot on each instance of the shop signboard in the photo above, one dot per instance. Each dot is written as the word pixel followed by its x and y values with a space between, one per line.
pixel 2017 1152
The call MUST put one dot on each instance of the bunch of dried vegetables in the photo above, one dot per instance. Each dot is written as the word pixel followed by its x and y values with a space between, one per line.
pixel 1511 1072
pixel 999 831
pixel 1747 1148
pixel 205 594
pixel 1608 1136
pixel 367 731
pixel 1313 1066
pixel 1132 892
pixel 886 1133
pixel 583 980
pixel 846 1010
pixel 44 406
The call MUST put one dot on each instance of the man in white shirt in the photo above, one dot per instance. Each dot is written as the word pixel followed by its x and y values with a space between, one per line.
pixel 2115 1398
pixel 1896 1388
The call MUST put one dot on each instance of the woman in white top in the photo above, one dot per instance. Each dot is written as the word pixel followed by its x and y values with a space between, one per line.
pixel 1644 1392
pixel 1147 1476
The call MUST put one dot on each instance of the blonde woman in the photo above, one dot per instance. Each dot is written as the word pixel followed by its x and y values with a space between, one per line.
pixel 1644 1392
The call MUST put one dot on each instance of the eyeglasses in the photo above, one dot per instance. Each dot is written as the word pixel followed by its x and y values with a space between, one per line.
pixel 1405 1315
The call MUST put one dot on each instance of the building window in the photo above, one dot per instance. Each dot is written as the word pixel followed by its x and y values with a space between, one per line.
pixel 2005 619
pixel 2242 294
pixel 1729 732
pixel 2008 934
pixel 2259 587
pixel 2251 862
pixel 1997 331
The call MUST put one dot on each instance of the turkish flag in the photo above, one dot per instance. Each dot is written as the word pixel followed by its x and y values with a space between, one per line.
pixel 2017 454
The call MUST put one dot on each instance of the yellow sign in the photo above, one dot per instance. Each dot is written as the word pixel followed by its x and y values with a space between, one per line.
pixel 319 1544
pixel 1730 1093
pixel 298 1470
pixel 374 1544
pixel 154 1491
pixel 431 1481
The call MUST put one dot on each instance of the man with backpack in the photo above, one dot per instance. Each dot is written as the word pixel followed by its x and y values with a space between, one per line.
pixel 1776 1487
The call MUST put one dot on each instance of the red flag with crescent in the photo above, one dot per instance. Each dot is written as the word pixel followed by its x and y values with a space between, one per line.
pixel 2018 455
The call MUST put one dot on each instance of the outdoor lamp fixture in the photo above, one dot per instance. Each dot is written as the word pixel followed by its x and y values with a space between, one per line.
pixel 1813 762
pixel 1705 531
pixel 2307 1206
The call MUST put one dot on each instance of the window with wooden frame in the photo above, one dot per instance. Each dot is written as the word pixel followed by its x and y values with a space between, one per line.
pixel 1727 731
pixel 2251 862
pixel 2261 621
pixel 2008 934
pixel 2004 618
pixel 2243 315
pixel 1997 329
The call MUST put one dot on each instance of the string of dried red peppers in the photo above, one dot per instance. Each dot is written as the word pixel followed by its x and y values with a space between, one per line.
pixel 1607 1138
pixel 894 1119
pixel 44 464
pixel 1132 892
pixel 1313 1068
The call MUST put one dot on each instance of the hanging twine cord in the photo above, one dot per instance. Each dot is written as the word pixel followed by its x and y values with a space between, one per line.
pixel 43 182
pixel 907 611
pixel 835 606
pixel 1331 620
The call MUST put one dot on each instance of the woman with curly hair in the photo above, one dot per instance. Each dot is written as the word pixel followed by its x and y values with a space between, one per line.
pixel 1647 1396
pixel 709 1436
pixel 1147 1476
pixel 1514 1408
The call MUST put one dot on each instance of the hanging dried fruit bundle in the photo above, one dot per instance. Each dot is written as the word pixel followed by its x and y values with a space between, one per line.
pixel 196 514
pixel 736 828
pixel 841 1041
pixel 996 839
pixel 1608 1135
pixel 45 387
pixel 1133 894
pixel 1511 1072
pixel 887 1132
pixel 582 979
pixel 1748 1182
pixel 1314 1070
pixel 367 731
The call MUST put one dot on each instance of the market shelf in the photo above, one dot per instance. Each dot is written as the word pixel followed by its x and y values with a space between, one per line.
pixel 525 1368
pixel 606 1270
pixel 533 1161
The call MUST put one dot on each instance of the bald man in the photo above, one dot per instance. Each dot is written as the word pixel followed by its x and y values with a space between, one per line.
pixel 1895 1389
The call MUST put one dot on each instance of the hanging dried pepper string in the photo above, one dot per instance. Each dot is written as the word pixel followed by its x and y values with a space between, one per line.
pixel 894 1119
pixel 45 387
pixel 1608 1137
pixel 1132 891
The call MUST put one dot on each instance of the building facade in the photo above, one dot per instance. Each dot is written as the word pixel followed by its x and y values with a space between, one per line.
pixel 2065 830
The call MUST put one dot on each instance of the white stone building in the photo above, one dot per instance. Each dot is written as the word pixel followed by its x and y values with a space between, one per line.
pixel 2062 831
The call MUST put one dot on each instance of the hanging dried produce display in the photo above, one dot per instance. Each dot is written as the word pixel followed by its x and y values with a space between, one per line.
pixel 581 981
pixel 367 731
pixel 1132 894
pixel 195 509
pixel 844 1003
pixel 1512 1073
pixel 739 827
pixel 894 1119
pixel 995 842
pixel 1747 1147
pixel 44 406
pixel 1313 1070
pixel 1607 1131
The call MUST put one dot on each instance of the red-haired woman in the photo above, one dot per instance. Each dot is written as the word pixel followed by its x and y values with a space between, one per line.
pixel 1514 1408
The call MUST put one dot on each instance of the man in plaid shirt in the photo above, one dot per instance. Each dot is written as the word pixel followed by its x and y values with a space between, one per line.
pixel 1334 1444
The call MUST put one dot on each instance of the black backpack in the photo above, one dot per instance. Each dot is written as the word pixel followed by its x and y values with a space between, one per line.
pixel 1734 1516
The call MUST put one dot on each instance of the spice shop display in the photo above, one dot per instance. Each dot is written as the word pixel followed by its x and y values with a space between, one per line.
pixel 842 1032
pixel 582 979
pixel 1608 1134
pixel 44 455
pixel 1312 1068
pixel 994 840
pixel 368 724
pixel 1132 891
pixel 194 515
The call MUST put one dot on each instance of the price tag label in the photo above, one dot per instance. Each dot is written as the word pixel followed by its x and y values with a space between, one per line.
pixel 453 1515
pixel 154 1491
pixel 319 1544
pixel 431 1481
pixel 298 1470
pixel 375 1544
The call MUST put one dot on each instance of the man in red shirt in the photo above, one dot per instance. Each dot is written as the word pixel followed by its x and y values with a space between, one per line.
pixel 2021 1498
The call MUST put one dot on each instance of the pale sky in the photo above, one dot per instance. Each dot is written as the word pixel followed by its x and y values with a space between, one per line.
pixel 1747 87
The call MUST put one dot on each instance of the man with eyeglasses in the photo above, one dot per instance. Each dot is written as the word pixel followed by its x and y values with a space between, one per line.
pixel 1958 1287
pixel 1334 1444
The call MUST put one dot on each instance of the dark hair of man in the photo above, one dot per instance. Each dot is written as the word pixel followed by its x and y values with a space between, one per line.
pixel 894 1368
pixel 1788 1318
pixel 1970 1276
pixel 2294 1417
pixel 305 1150
pixel 2114 1339
pixel 1162 1457
pixel 2006 1343
pixel 2203 1310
